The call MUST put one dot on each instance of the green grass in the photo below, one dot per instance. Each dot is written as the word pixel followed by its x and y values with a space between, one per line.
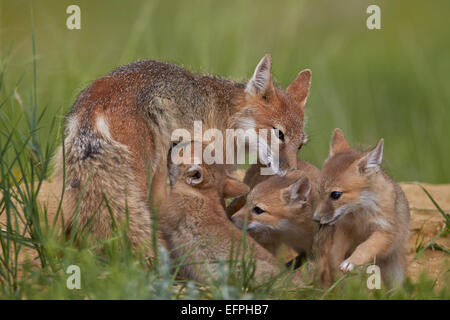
pixel 391 83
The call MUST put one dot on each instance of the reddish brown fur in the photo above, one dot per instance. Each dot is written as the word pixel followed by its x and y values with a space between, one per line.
pixel 120 128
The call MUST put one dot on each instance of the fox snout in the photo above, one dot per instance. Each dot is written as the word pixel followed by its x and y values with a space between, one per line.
pixel 292 157
pixel 324 215
pixel 288 162
pixel 318 213
pixel 323 219
pixel 320 217
pixel 329 218
pixel 236 220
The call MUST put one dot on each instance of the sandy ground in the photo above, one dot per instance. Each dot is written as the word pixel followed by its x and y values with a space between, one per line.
pixel 425 219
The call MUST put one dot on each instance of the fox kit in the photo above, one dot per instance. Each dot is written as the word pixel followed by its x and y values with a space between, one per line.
pixel 364 215
pixel 280 209
pixel 253 177
pixel 194 225
pixel 119 130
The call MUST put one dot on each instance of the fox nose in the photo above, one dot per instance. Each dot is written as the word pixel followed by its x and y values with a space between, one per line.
pixel 236 222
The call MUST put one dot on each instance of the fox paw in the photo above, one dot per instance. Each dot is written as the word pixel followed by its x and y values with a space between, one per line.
pixel 346 266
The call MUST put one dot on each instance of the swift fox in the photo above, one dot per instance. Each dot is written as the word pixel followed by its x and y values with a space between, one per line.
pixel 363 213
pixel 280 209
pixel 194 225
pixel 118 133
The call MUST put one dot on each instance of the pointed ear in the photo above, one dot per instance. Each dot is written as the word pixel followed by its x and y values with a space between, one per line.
pixel 299 88
pixel 261 81
pixel 297 193
pixel 338 143
pixel 194 175
pixel 372 159
pixel 234 188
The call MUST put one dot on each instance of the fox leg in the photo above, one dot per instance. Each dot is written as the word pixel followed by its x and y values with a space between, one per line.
pixel 393 268
pixel 159 185
pixel 322 249
pixel 342 242
pixel 333 244
pixel 378 244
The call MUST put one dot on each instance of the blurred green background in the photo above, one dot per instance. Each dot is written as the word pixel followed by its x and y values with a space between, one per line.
pixel 392 83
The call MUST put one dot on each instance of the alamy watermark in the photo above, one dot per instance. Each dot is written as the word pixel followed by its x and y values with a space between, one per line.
pixel 74 20
pixel 212 145
pixel 74 280
pixel 374 280
pixel 374 20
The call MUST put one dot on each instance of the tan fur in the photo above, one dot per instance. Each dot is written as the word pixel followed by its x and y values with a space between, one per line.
pixel 253 177
pixel 119 130
pixel 374 220
pixel 284 221
pixel 193 222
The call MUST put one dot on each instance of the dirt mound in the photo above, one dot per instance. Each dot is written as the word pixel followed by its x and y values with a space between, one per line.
pixel 426 223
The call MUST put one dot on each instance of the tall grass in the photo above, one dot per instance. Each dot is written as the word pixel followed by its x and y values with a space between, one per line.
pixel 110 269
pixel 389 83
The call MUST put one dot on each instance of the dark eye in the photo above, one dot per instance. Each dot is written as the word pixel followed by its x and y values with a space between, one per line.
pixel 335 195
pixel 258 210
pixel 280 134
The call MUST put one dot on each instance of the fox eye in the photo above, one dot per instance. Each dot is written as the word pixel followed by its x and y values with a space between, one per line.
pixel 280 134
pixel 335 195
pixel 258 210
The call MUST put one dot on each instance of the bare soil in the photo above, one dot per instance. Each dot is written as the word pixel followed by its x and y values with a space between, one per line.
pixel 426 222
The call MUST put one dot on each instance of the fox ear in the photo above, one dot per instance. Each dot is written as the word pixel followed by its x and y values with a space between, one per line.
pixel 297 193
pixel 194 175
pixel 234 188
pixel 261 81
pixel 373 158
pixel 338 143
pixel 299 88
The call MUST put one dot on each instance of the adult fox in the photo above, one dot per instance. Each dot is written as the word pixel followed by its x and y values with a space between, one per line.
pixel 118 133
